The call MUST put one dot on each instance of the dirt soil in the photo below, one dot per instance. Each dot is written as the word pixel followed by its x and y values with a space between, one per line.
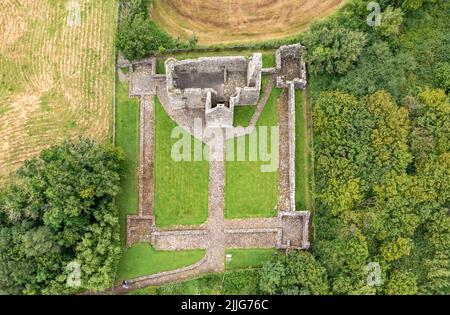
pixel 230 21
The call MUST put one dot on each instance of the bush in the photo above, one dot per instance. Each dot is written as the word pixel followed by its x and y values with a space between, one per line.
pixel 442 76
pixel 297 273
pixel 333 50
pixel 138 35
pixel 244 282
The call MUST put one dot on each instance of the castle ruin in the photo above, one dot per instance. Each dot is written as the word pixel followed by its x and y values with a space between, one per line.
pixel 210 88
pixel 216 84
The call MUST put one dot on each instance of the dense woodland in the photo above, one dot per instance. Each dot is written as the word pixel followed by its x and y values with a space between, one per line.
pixel 382 154
pixel 59 210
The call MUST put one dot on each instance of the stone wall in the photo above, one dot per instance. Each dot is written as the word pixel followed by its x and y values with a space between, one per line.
pixel 219 116
pixel 295 229
pixel 196 97
pixel 291 127
pixel 212 64
pixel 284 53
pixel 179 240
pixel 253 238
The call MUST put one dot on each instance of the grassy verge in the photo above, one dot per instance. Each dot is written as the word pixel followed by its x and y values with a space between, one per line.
pixel 233 283
pixel 249 191
pixel 127 138
pixel 302 155
pixel 248 258
pixel 142 260
pixel 181 187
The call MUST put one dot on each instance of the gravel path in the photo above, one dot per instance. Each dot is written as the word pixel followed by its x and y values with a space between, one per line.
pixel 283 183
pixel 216 204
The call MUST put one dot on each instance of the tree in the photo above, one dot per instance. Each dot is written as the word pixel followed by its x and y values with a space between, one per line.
pixel 135 38
pixel 442 76
pixel 410 5
pixel 134 7
pixel 431 124
pixel 391 21
pixel 383 172
pixel 60 210
pixel 138 35
pixel 401 283
pixel 389 135
pixel 333 50
pixel 379 68
pixel 438 274
pixel 193 40
pixel 297 273
pixel 396 249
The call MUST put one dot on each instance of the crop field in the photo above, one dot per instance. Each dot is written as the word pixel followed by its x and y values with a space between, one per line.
pixel 56 74
pixel 232 21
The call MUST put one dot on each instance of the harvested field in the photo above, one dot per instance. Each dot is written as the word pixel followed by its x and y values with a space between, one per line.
pixel 56 74
pixel 231 21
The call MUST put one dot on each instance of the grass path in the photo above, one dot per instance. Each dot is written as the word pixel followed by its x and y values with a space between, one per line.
pixel 303 152
pixel 127 138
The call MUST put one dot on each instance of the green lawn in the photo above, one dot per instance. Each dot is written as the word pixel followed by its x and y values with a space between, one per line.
pixel 243 115
pixel 127 138
pixel 142 260
pixel 302 156
pixel 181 187
pixel 248 258
pixel 249 191
pixel 269 60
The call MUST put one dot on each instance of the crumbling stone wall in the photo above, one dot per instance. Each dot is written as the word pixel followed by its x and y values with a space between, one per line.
pixel 196 97
pixel 295 230
pixel 219 116
pixel 290 66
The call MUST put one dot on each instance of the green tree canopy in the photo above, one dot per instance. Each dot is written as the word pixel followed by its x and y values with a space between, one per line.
pixel 59 210
pixel 333 50
pixel 297 273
